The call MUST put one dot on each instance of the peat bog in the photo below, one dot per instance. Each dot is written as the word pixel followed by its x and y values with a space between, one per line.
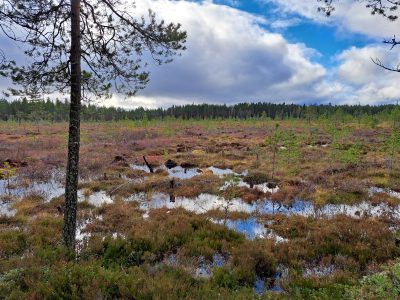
pixel 213 217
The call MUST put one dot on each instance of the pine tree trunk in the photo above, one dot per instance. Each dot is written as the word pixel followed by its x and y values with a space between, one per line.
pixel 71 186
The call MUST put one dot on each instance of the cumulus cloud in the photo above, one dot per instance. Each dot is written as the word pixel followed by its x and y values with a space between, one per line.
pixel 367 82
pixel 350 16
pixel 355 79
pixel 230 58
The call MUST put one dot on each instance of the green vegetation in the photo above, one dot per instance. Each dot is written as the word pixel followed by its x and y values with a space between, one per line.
pixel 7 172
pixel 128 250
pixel 57 111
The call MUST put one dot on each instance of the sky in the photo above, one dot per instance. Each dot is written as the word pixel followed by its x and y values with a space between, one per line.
pixel 273 51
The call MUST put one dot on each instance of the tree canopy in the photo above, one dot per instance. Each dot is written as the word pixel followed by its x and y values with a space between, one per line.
pixel 113 42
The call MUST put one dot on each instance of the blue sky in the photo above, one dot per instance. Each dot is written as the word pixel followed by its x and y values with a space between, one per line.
pixel 271 50
pixel 275 50
pixel 325 38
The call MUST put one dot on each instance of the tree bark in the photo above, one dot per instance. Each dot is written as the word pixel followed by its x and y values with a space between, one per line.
pixel 71 186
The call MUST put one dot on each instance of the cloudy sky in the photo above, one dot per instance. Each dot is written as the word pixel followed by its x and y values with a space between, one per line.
pixel 272 50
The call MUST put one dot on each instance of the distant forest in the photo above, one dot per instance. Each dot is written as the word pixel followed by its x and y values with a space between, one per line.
pixel 58 111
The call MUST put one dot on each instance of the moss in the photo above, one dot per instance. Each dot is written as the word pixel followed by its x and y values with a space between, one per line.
pixel 254 178
pixel 125 253
pixel 313 239
pixel 100 184
pixel 252 260
pixel 344 198
pixel 12 242
pixel 35 265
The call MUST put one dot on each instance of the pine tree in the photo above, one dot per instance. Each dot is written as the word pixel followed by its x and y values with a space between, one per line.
pixel 59 35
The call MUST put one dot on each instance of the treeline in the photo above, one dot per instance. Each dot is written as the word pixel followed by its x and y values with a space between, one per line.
pixel 58 111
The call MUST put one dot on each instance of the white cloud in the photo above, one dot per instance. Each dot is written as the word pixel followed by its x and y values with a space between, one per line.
pixel 368 82
pixel 356 66
pixel 230 58
pixel 349 16
pixel 285 23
